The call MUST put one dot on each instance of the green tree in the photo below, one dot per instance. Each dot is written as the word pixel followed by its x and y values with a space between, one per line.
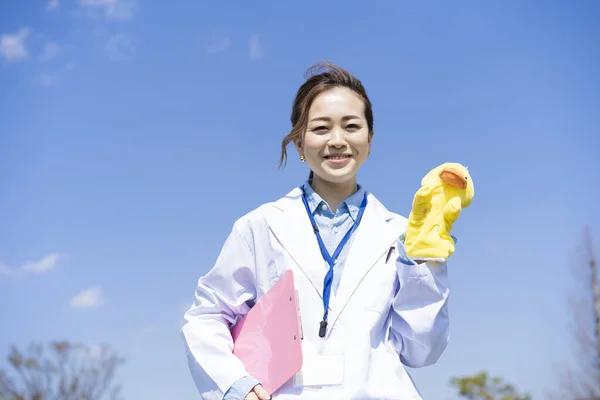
pixel 66 372
pixel 483 387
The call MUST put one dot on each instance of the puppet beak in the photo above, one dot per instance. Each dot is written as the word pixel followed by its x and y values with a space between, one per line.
pixel 453 177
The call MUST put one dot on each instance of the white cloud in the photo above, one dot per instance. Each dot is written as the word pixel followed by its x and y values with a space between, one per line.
pixel 120 49
pixel 255 47
pixel 12 46
pixel 111 9
pixel 5 269
pixel 88 298
pixel 50 51
pixel 47 80
pixel 219 45
pixel 52 5
pixel 41 266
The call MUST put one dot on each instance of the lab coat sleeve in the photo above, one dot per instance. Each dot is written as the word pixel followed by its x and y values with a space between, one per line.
pixel 419 324
pixel 222 297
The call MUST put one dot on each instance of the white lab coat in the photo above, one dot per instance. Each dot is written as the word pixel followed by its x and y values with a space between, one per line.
pixel 385 314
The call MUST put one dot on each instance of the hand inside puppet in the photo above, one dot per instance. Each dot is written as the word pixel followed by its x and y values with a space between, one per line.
pixel 444 192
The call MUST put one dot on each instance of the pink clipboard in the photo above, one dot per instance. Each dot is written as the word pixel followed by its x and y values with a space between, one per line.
pixel 268 340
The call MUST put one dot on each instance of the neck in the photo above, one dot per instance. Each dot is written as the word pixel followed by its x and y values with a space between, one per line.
pixel 334 193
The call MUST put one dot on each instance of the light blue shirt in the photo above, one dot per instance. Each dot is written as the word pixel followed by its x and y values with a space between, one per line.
pixel 332 227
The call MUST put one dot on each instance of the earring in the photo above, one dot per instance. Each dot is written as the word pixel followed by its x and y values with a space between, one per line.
pixel 369 153
pixel 302 158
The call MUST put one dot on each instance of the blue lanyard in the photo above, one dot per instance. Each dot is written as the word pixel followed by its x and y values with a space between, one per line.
pixel 331 259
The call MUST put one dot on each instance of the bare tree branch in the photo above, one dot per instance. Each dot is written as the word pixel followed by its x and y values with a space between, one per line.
pixel 68 372
pixel 582 381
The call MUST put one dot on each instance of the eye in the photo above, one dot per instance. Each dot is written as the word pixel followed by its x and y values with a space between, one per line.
pixel 319 128
pixel 352 126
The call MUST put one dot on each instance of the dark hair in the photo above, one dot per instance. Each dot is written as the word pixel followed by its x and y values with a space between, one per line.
pixel 317 82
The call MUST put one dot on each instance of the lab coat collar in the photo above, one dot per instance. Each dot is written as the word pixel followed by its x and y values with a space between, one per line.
pixel 376 233
pixel 350 205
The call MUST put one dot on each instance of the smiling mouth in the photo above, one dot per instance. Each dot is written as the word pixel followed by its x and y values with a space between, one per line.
pixel 338 157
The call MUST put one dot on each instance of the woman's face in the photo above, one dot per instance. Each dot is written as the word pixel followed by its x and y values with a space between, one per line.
pixel 337 137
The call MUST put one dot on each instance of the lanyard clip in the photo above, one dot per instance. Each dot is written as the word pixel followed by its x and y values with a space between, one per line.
pixel 322 328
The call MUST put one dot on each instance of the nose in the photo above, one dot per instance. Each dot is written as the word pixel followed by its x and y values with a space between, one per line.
pixel 337 138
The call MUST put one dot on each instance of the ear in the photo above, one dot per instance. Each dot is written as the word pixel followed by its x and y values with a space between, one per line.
pixel 371 136
pixel 298 145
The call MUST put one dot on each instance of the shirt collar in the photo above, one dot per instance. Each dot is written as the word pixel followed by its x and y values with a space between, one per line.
pixel 350 205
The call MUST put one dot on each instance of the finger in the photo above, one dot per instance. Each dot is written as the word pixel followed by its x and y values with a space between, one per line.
pixel 421 201
pixel 424 193
pixel 452 210
pixel 262 393
pixel 251 396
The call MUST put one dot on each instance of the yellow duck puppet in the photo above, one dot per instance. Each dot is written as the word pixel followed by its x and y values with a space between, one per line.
pixel 444 192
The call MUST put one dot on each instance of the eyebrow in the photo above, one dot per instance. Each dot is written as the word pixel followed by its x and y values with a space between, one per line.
pixel 327 119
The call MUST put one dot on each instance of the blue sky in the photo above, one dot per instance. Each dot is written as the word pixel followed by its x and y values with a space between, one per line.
pixel 133 134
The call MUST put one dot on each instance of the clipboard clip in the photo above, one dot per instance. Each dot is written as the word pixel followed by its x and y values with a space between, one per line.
pixel 299 317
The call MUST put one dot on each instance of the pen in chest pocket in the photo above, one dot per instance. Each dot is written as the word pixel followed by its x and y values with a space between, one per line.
pixel 389 254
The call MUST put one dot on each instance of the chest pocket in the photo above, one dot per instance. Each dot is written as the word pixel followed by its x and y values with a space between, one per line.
pixel 274 272
pixel 379 286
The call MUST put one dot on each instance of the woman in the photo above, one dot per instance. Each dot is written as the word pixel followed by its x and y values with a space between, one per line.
pixel 384 309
